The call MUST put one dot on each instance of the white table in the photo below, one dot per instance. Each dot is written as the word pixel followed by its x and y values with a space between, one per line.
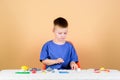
pixel 72 75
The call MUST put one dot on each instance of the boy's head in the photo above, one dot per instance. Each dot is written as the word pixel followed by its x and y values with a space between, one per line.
pixel 60 28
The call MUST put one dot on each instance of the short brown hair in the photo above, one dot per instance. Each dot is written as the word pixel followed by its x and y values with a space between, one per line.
pixel 61 22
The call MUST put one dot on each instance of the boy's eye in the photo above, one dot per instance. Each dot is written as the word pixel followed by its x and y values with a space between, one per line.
pixel 65 33
pixel 62 33
pixel 59 33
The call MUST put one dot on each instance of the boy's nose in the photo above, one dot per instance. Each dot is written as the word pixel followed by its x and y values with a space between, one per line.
pixel 63 35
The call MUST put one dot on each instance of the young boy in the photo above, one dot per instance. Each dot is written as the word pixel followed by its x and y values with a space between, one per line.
pixel 58 53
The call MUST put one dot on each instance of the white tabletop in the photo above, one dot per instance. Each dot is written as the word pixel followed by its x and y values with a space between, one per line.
pixel 88 74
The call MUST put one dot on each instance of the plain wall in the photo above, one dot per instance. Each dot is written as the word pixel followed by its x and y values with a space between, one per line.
pixel 94 29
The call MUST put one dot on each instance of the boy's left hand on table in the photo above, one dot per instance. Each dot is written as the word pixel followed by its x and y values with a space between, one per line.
pixel 73 65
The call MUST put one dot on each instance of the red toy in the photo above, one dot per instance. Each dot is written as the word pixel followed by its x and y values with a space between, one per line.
pixel 33 71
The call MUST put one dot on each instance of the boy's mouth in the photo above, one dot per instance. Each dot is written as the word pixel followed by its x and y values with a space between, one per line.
pixel 62 38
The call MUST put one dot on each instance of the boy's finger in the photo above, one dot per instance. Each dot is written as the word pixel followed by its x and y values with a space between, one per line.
pixel 61 60
pixel 75 67
pixel 72 67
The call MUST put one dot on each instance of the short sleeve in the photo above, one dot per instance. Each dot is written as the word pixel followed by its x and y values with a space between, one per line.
pixel 74 56
pixel 44 53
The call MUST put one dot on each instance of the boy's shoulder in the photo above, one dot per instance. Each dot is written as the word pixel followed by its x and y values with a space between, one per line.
pixel 69 43
pixel 48 42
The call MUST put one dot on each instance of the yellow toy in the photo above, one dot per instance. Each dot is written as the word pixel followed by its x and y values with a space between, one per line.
pixel 102 68
pixel 44 72
pixel 24 68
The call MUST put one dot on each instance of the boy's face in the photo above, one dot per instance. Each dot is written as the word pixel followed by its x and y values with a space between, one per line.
pixel 60 33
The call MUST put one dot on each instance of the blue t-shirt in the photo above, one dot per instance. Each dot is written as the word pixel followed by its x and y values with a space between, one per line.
pixel 66 51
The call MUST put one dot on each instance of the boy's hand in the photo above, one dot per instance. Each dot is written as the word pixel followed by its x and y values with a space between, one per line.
pixel 59 60
pixel 73 65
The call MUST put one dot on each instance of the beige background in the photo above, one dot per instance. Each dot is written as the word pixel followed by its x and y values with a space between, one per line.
pixel 94 29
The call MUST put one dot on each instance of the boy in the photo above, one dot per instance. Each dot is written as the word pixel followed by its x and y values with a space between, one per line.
pixel 58 53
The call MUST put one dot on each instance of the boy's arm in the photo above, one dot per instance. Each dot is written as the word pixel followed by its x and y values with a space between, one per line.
pixel 74 58
pixel 52 62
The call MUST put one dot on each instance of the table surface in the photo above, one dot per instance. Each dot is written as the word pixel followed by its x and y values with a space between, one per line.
pixel 87 74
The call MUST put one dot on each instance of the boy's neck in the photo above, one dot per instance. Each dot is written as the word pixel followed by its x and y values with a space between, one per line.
pixel 58 42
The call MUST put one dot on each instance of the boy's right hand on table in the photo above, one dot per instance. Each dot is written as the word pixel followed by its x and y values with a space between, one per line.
pixel 59 60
